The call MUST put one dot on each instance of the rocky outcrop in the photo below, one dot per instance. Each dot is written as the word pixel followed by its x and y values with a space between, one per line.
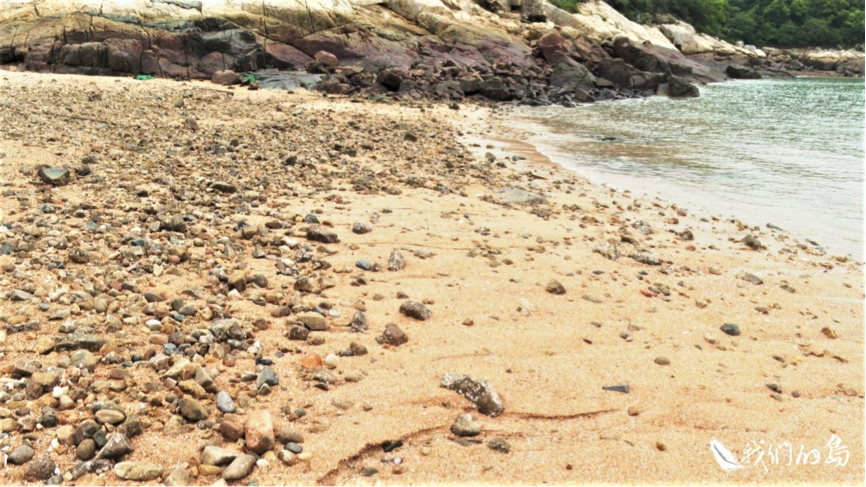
pixel 440 48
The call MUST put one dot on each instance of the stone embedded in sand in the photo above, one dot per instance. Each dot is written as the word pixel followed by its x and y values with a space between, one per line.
pixel 500 445
pixel 731 329
pixel 192 410
pixel 79 256
pixel 224 187
pixel 137 471
pixel 300 333
pixel 662 361
pixel 414 309
pixel 359 322
pixel 396 262
pixel 21 455
pixel 362 228
pixel 478 392
pixel 518 196
pixel 40 469
pixel 624 388
pixel 116 446
pixel 55 176
pixel 314 321
pixel 646 258
pixel 555 287
pixel 260 431
pixel 318 233
pixel 466 425
pixel 393 335
pixel 752 242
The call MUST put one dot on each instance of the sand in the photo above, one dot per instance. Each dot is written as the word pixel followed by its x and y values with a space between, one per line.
pixel 483 268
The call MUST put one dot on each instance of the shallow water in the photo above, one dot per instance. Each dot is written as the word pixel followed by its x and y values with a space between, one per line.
pixel 784 151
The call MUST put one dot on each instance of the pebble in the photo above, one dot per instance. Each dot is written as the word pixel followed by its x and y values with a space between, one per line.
pixel 224 402
pixel 731 329
pixel 555 287
pixel 662 361
pixel 480 393
pixel 21 455
pixel 240 467
pixel 466 425
pixel 414 309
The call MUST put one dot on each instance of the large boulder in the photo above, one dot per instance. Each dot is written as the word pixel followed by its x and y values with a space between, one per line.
pixel 741 72
pixel 681 88
pixel 640 58
pixel 570 75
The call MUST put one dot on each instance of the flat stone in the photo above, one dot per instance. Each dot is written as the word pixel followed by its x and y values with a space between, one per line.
pixel 393 335
pixel 465 425
pixel 731 329
pixel 110 416
pixel 322 234
pixel 55 176
pixel 21 455
pixel 224 402
pixel 314 321
pixel 140 472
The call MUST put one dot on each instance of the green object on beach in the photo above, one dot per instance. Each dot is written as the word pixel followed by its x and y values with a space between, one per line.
pixel 144 77
pixel 250 79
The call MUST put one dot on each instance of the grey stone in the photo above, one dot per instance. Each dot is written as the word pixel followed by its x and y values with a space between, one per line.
pixel 465 425
pixel 731 329
pixel 414 309
pixel 224 402
pixel 140 472
pixel 21 455
pixel 214 455
pixel 240 467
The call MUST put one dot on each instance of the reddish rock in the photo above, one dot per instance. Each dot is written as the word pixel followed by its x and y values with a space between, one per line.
pixel 260 432
pixel 326 58
pixel 311 361
pixel 225 78
pixel 231 431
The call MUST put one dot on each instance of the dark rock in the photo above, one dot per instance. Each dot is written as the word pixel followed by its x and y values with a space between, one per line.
pixel 752 242
pixel 570 75
pixel 224 187
pixel 86 450
pixel 40 469
pixel 731 329
pixel 555 287
pixel 741 72
pixel 298 333
pixel 625 389
pixel 681 88
pixel 396 262
pixel 466 425
pixel 359 322
pixel 322 234
pixel 192 410
pixel 116 446
pixel 414 309
pixel 500 445
pixel 478 392
pixel 495 89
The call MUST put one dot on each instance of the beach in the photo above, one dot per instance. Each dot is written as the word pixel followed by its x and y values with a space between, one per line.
pixel 484 223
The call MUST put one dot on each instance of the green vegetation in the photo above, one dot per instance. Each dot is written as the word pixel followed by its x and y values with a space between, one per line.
pixel 780 23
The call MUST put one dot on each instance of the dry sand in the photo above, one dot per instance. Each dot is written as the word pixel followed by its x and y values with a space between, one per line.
pixel 483 268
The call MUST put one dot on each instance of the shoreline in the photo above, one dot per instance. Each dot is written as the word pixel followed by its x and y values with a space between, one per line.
pixel 479 255
pixel 529 127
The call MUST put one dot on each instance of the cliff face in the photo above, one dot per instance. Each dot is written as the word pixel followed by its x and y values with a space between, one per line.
pixel 425 42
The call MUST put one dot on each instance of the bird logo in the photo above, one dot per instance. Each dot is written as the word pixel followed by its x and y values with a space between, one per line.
pixel 725 458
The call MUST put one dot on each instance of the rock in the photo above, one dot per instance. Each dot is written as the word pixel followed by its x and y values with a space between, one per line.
pixel 178 477
pixel 741 72
pixel 359 322
pixel 240 467
pixel 752 279
pixel 116 446
pixel 226 77
pixel 299 333
pixel 414 309
pixel 752 242
pixel 396 262
pixel 290 435
pixel 314 321
pixel 466 425
pixel 361 228
pixel 681 88
pixel 140 472
pixel 625 389
pixel 21 455
pixel 532 11
pixel 55 176
pixel 390 78
pixel 86 450
pixel 393 335
pixel 259 432
pixel 554 287
pixel 662 361
pixel 214 455
pixel 78 256
pixel 478 392
pixel 500 445
pixel 731 329
pixel 192 410
pixel 83 359
pixel 495 89
pixel 224 187
pixel 570 75
pixel 829 333
pixel 40 469
pixel 267 376
pixel 318 233
pixel 224 402
pixel 110 416
pixel 231 431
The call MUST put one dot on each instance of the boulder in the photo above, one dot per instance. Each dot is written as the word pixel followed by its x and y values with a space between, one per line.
pixel 226 77
pixel 681 88
pixel 570 75
pixel 741 72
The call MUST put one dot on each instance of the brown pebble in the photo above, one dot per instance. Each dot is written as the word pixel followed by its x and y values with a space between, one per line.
pixel 662 361
pixel 661 446
pixel 633 411
pixel 795 393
